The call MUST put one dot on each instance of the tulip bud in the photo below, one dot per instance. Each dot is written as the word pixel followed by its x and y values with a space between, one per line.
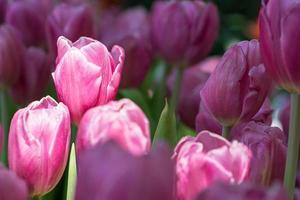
pixel 193 81
pixel 11 52
pixel 198 22
pixel 29 18
pixel 280 41
pixel 86 74
pixel 1 138
pixel 108 172
pixel 244 191
pixel 130 29
pixel 122 121
pixel 239 85
pixel 268 149
pixel 3 4
pixel 208 158
pixel 35 74
pixel 38 144
pixel 71 21
pixel 11 186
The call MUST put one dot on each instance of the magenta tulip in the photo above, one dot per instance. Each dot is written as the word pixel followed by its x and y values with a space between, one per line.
pixel 3 4
pixel 86 74
pixel 280 41
pixel 29 18
pixel 122 121
pixel 269 152
pixel 198 22
pixel 131 30
pixel 285 117
pixel 11 54
pixel 107 172
pixel 11 186
pixel 208 158
pixel 193 81
pixel 38 144
pixel 239 85
pixel 71 21
pixel 34 79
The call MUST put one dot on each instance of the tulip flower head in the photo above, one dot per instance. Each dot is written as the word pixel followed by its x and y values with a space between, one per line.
pixel 38 144
pixel 86 74
pixel 122 121
pixel 207 158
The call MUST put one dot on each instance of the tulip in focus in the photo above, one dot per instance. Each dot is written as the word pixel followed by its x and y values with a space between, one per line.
pixel 71 21
pixel 122 121
pixel 11 54
pixel 269 152
pixel 130 29
pixel 280 41
pixel 193 81
pixel 38 144
pixel 198 22
pixel 11 186
pixel 244 191
pixel 107 172
pixel 86 74
pixel 239 85
pixel 207 158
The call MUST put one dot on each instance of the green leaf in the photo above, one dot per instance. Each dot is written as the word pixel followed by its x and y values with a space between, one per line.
pixel 166 128
pixel 72 174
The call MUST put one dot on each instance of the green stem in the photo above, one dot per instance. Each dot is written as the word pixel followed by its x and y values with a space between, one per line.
pixel 3 107
pixel 293 146
pixel 226 132
pixel 177 87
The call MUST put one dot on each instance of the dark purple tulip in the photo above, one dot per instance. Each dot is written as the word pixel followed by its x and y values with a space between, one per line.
pixel 3 4
pixel 238 86
pixel 107 172
pixel 29 18
pixel 193 80
pixel 71 21
pixel 11 186
pixel 11 53
pixel 129 29
pixel 268 149
pixel 244 191
pixel 35 74
pixel 205 121
pixel 184 31
pixel 280 41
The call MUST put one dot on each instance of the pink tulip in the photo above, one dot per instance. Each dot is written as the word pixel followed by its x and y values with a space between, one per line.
pixel 38 144
pixel 86 74
pixel 208 158
pixel 122 121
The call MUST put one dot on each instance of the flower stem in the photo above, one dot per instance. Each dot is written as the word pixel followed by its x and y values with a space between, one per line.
pixel 3 107
pixel 293 146
pixel 177 87
pixel 226 132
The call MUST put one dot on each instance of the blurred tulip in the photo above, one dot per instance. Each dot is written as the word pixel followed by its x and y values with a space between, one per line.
pixel 29 18
pixel 1 138
pixel 244 191
pixel 122 121
pixel 239 85
pixel 86 74
pixel 3 4
pixel 198 22
pixel 11 52
pixel 107 172
pixel 129 29
pixel 193 80
pixel 280 41
pixel 70 21
pixel 11 186
pixel 38 144
pixel 284 117
pixel 269 152
pixel 208 158
pixel 205 121
pixel 34 79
